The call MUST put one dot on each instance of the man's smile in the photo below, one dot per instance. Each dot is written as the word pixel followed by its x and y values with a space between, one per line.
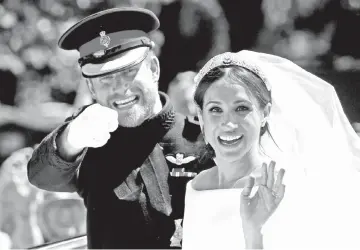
pixel 125 103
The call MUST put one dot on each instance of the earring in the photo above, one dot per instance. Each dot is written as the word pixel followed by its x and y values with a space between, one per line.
pixel 264 121
pixel 263 128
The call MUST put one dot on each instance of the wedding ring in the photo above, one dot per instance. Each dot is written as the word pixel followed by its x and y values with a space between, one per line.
pixel 275 194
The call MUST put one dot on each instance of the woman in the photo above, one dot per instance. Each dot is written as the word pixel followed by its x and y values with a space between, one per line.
pixel 240 97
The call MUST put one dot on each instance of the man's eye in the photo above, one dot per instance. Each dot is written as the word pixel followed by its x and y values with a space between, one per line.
pixel 215 109
pixel 106 80
pixel 130 72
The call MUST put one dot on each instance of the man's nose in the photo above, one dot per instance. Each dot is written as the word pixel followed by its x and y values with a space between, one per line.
pixel 121 84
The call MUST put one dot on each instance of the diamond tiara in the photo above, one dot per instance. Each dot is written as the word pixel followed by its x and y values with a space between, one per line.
pixel 231 59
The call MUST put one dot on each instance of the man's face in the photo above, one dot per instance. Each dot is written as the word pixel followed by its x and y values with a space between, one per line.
pixel 132 92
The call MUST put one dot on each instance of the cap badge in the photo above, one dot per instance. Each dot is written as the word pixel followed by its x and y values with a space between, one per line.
pixel 227 60
pixel 104 39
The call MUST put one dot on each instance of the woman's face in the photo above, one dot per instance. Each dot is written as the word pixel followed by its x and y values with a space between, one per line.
pixel 232 120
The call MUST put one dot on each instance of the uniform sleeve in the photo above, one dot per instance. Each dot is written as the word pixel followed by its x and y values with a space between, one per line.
pixel 48 171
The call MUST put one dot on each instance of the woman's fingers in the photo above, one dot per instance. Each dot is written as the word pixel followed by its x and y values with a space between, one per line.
pixel 280 194
pixel 270 176
pixel 264 175
pixel 250 182
pixel 279 180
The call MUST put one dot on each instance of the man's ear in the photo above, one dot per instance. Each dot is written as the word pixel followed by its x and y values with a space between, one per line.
pixel 155 67
pixel 91 88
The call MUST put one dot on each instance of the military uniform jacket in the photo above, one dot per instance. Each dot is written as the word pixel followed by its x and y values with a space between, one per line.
pixel 134 186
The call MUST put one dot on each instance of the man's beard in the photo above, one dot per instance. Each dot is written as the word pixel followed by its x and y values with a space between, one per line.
pixel 135 116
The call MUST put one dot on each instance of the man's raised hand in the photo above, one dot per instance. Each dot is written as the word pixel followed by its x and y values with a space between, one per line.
pixel 92 127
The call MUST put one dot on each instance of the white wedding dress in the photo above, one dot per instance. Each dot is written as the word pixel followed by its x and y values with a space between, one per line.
pixel 319 151
pixel 310 216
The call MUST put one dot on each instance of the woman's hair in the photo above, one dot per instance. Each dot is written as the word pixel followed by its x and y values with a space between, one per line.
pixel 233 75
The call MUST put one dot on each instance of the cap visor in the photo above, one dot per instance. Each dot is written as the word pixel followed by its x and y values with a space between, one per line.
pixel 117 63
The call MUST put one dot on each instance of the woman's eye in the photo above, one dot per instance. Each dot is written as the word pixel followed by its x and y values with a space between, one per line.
pixel 242 108
pixel 215 109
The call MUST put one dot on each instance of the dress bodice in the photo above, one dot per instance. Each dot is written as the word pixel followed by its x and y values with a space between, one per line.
pixel 309 217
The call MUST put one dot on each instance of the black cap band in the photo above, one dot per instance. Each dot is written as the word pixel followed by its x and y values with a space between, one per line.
pixel 100 56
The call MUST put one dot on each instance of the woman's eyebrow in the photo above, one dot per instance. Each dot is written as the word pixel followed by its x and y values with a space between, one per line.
pixel 243 101
pixel 212 102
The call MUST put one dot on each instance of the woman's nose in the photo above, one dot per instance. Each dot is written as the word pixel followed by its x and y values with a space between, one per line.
pixel 230 122
pixel 231 125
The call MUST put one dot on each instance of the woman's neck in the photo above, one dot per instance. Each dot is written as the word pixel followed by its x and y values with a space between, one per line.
pixel 230 173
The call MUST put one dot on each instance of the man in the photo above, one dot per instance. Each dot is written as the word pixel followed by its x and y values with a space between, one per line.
pixel 128 155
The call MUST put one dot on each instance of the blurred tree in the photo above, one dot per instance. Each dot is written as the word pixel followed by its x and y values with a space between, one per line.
pixel 194 31
pixel 245 20
pixel 282 34
pixel 39 82
pixel 29 34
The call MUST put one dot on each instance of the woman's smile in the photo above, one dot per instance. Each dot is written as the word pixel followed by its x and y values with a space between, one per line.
pixel 230 140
